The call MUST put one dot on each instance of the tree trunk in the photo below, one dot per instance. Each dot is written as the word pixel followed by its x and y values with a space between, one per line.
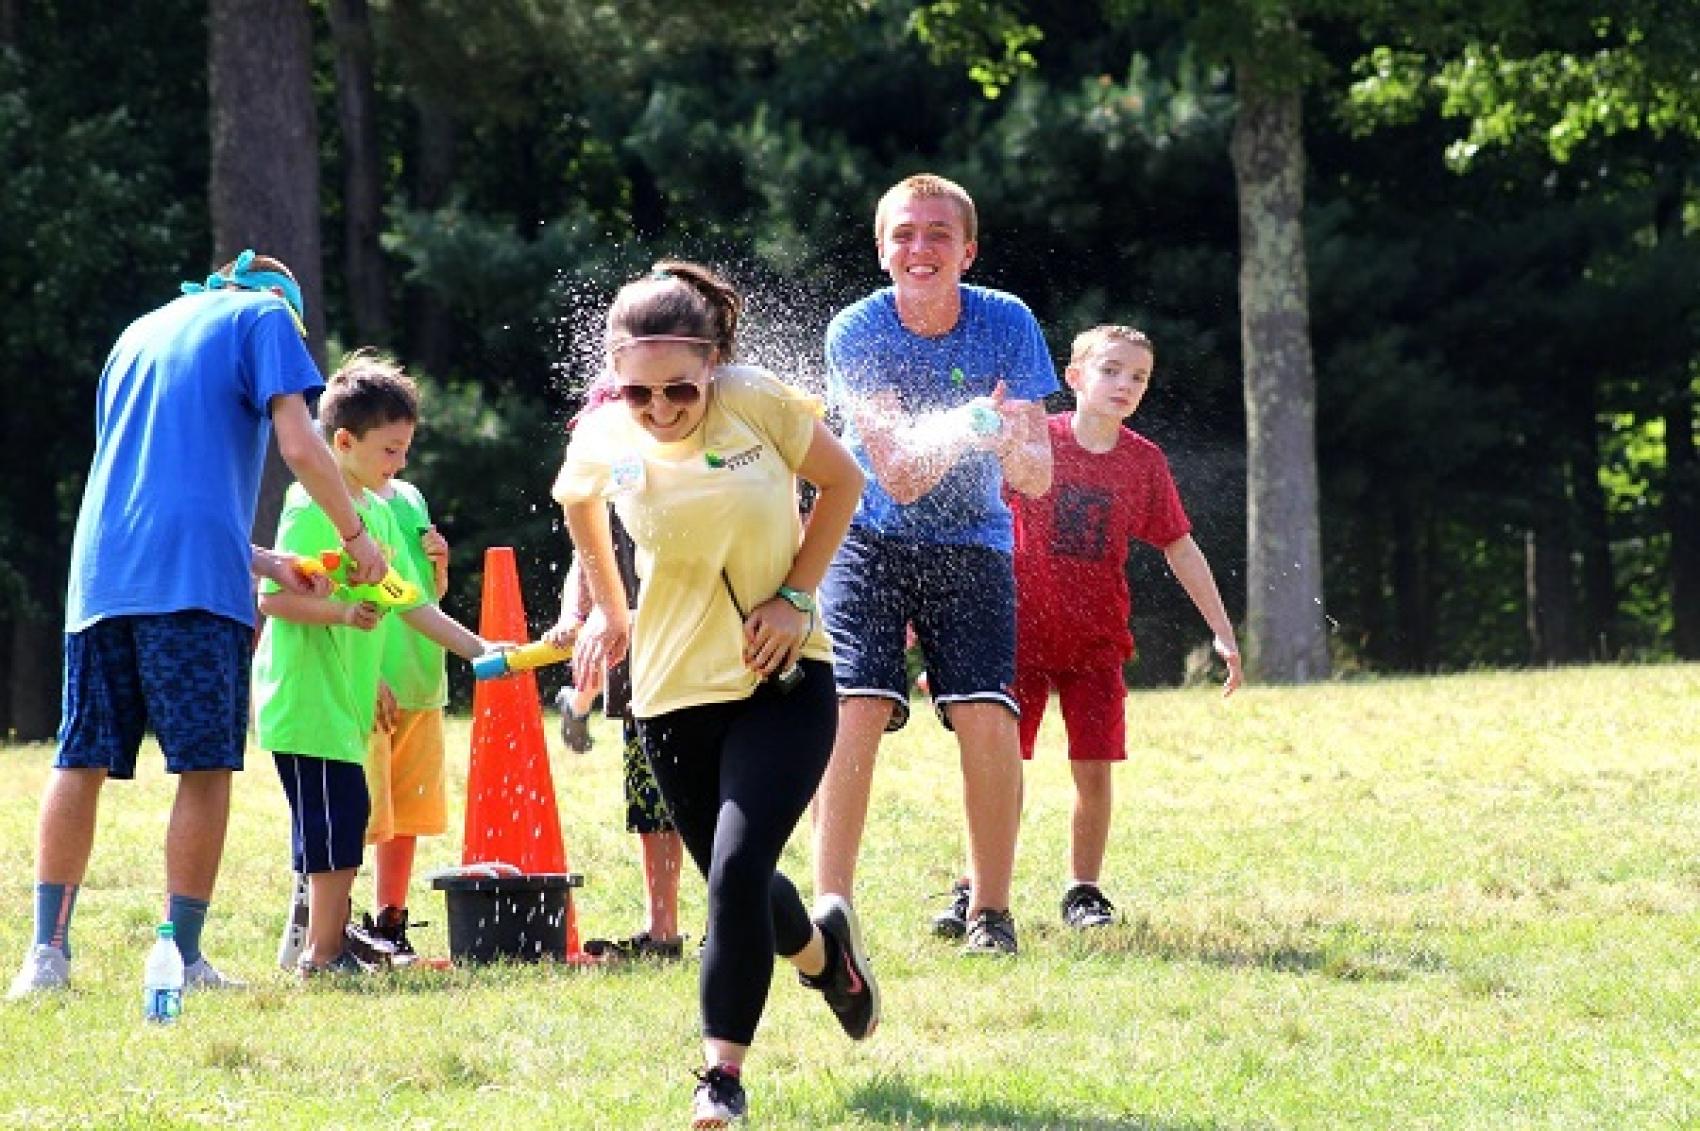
pixel 1599 580
pixel 362 172
pixel 37 653
pixel 1284 615
pixel 1550 588
pixel 1682 517
pixel 265 166
pixel 430 325
pixel 11 22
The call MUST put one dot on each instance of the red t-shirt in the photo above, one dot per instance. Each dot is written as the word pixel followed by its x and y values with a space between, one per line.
pixel 1072 600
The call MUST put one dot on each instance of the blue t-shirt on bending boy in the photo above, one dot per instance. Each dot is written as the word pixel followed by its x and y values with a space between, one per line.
pixel 996 338
pixel 183 416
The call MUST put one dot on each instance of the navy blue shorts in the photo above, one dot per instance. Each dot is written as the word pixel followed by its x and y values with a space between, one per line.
pixel 183 675
pixel 960 600
pixel 328 811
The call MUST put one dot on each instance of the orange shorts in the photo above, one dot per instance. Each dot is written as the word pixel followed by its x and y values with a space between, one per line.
pixel 404 775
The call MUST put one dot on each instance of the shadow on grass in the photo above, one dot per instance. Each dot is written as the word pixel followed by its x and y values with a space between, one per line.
pixel 892 1102
pixel 1345 955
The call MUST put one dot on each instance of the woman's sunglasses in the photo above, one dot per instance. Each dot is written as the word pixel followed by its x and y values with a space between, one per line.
pixel 683 394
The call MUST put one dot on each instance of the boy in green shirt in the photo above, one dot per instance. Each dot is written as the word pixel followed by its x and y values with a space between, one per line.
pixel 317 668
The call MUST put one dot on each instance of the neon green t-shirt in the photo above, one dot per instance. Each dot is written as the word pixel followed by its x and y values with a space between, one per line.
pixel 724 499
pixel 412 663
pixel 316 685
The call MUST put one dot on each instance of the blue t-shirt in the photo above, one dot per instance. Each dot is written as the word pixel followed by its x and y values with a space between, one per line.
pixel 996 338
pixel 181 426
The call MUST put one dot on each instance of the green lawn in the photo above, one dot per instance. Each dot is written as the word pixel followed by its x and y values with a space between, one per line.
pixel 1467 902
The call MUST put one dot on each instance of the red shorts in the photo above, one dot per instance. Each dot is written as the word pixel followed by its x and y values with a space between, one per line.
pixel 1094 710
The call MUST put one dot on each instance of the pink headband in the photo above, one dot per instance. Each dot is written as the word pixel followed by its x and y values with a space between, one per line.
pixel 639 339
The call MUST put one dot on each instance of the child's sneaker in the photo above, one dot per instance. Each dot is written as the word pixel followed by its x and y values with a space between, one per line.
pixel 294 925
pixel 847 982
pixel 345 964
pixel 391 926
pixel 991 932
pixel 642 945
pixel 45 968
pixel 1084 907
pixel 952 922
pixel 719 1100
pixel 366 945
pixel 575 729
pixel 203 975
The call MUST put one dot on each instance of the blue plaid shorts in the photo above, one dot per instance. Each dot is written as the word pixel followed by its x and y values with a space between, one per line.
pixel 184 675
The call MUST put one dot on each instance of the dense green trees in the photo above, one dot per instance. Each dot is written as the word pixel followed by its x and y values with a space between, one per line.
pixel 1500 263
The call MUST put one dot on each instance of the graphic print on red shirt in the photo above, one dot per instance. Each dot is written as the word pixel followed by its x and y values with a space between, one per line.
pixel 1071 547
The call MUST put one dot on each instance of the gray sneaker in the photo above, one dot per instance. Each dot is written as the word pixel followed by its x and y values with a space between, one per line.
pixel 45 968
pixel 991 932
pixel 575 729
pixel 203 975
pixel 345 964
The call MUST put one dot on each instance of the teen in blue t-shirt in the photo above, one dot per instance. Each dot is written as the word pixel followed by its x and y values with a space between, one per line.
pixel 940 385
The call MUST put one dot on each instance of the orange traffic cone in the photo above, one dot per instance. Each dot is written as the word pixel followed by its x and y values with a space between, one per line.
pixel 510 794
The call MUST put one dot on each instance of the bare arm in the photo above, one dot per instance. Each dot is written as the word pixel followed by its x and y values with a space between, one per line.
pixel 321 610
pixel 593 540
pixel 910 454
pixel 304 450
pixel 432 622
pixel 275 565
pixel 1193 572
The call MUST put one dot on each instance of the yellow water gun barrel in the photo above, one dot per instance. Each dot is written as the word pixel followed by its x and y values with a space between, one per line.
pixel 494 665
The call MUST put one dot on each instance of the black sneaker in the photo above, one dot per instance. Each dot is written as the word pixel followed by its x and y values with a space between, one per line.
pixel 991 932
pixel 847 983
pixel 391 926
pixel 642 945
pixel 952 922
pixel 1084 906
pixel 365 944
pixel 719 1100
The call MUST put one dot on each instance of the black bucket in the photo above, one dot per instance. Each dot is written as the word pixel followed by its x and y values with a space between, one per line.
pixel 508 918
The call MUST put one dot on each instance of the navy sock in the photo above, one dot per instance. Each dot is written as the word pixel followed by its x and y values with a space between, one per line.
pixel 53 906
pixel 187 917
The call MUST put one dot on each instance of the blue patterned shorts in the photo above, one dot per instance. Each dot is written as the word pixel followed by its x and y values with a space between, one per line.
pixel 183 675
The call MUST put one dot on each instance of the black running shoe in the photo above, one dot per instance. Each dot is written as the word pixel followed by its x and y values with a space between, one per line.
pixel 952 922
pixel 719 1100
pixel 847 983
pixel 991 932
pixel 1084 907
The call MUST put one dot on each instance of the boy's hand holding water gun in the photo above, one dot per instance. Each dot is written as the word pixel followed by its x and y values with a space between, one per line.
pixel 393 591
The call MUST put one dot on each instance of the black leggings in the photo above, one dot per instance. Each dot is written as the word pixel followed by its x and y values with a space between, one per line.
pixel 737 778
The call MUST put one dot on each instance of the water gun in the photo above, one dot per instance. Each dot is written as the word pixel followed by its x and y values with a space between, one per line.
pixel 494 665
pixel 393 592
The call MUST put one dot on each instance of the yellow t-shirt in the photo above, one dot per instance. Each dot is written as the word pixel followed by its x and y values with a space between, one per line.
pixel 722 499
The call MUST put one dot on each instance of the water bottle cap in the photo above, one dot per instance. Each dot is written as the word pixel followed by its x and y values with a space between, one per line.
pixel 166 931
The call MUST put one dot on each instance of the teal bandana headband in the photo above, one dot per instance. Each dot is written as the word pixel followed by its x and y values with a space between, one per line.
pixel 241 276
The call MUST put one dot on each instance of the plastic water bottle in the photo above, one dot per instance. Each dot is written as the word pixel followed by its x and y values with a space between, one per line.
pixel 162 978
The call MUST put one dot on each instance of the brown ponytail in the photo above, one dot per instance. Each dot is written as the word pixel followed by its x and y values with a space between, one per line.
pixel 677 300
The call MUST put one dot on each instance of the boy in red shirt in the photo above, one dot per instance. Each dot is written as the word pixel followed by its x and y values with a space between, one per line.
pixel 1109 485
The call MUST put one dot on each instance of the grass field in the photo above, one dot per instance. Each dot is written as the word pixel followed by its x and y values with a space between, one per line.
pixel 1467 902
